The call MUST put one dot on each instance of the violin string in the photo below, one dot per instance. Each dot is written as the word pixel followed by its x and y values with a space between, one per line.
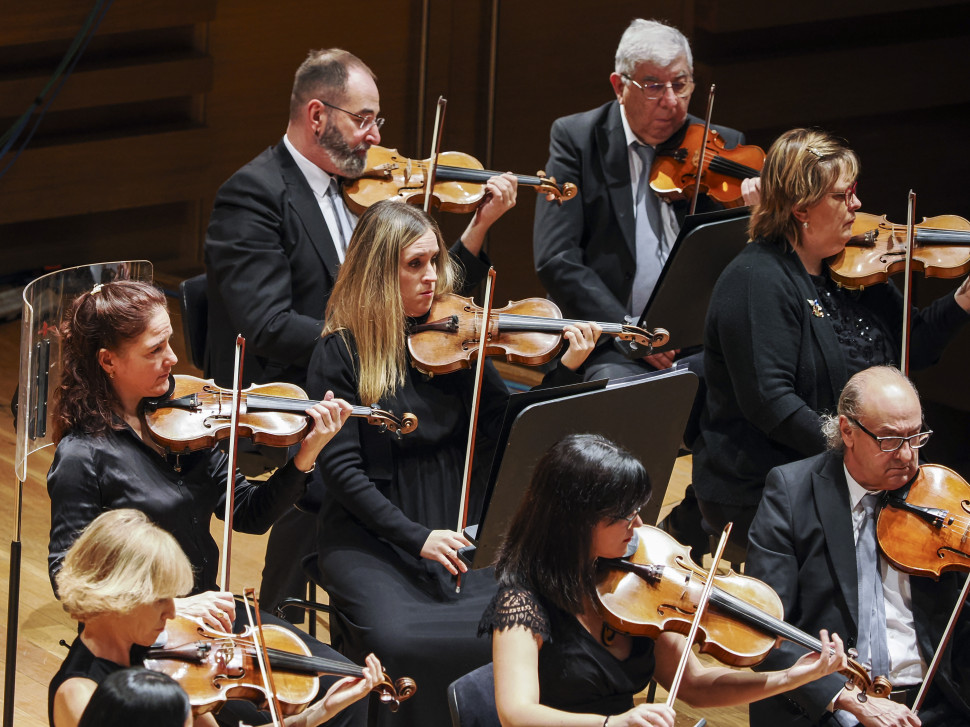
pixel 551 324
pixel 732 168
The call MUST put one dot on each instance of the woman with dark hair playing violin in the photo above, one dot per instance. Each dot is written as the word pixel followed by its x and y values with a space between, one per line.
pixel 782 337
pixel 556 661
pixel 116 352
pixel 120 579
pixel 388 537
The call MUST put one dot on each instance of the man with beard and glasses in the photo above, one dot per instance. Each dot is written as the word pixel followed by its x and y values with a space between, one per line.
pixel 277 236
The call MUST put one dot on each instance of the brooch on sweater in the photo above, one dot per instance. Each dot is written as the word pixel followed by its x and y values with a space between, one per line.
pixel 816 308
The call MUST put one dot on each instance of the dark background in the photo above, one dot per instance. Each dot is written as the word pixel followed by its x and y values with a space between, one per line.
pixel 172 96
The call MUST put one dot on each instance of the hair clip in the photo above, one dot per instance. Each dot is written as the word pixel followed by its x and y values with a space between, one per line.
pixel 97 288
pixel 815 151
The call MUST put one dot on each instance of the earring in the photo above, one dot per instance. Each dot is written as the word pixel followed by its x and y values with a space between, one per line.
pixel 111 375
pixel 805 224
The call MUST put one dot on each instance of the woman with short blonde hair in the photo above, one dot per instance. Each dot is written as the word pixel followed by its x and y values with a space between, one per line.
pixel 120 579
pixel 121 561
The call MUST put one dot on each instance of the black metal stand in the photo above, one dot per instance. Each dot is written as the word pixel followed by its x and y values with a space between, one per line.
pixel 13 618
pixel 624 411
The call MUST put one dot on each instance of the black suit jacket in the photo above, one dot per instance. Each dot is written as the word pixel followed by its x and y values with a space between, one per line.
pixel 271 267
pixel 801 543
pixel 585 250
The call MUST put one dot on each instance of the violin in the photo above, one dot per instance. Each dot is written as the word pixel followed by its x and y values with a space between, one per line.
pixel 924 533
pixel 213 666
pixel 877 249
pixel 674 173
pixel 528 331
pixel 657 589
pixel 927 531
pixel 194 414
pixel 459 181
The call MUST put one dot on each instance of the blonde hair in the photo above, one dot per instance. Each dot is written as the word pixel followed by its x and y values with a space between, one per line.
pixel 802 166
pixel 366 299
pixel 121 561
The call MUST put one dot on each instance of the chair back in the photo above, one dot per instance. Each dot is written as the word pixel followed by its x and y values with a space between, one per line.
pixel 194 302
pixel 471 699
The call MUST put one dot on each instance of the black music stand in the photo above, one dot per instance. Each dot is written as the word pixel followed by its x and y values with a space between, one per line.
pixel 706 244
pixel 645 414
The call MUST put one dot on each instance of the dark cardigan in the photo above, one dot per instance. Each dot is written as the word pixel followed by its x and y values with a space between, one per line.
pixel 773 365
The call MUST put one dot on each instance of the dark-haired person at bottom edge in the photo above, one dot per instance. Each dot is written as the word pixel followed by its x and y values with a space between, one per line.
pixel 388 530
pixel 116 352
pixel 137 696
pixel 119 580
pixel 809 541
pixel 556 660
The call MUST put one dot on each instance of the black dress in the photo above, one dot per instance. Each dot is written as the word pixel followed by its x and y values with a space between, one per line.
pixel 576 672
pixel 81 663
pixel 91 475
pixel 382 497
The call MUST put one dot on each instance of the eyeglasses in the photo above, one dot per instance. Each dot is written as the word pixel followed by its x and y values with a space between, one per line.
pixel 631 518
pixel 654 89
pixel 848 194
pixel 366 122
pixel 891 444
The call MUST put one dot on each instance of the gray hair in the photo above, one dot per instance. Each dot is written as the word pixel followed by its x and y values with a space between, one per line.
pixel 651 41
pixel 851 401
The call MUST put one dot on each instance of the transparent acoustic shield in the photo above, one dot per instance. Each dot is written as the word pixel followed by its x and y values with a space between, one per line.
pixel 46 300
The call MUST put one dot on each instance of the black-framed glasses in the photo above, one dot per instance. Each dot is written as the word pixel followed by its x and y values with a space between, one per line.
pixel 891 444
pixel 848 194
pixel 366 122
pixel 652 90
pixel 629 519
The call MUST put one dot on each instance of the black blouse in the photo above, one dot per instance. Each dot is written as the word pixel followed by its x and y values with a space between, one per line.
pixel 95 474
pixel 80 663
pixel 576 672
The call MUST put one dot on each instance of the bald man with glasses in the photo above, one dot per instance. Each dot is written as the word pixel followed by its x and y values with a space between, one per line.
pixel 813 540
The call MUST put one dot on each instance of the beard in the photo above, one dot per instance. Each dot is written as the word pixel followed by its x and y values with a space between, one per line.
pixel 349 161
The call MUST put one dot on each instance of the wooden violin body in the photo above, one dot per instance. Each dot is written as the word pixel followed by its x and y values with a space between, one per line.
pixel 927 532
pixel 195 414
pixel 877 249
pixel 658 587
pixel 459 181
pixel 674 173
pixel 213 666
pixel 528 331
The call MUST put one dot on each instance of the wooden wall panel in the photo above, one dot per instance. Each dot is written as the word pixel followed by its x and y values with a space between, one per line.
pixel 57 19
pixel 219 76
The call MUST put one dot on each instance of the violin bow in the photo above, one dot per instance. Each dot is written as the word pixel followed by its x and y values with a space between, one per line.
pixel 226 556
pixel 262 657
pixel 703 152
pixel 476 400
pixel 937 657
pixel 698 614
pixel 439 120
pixel 908 282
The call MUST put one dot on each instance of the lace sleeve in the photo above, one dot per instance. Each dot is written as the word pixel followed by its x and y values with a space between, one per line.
pixel 515 606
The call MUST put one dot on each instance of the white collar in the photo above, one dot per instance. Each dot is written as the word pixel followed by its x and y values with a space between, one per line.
pixel 856 491
pixel 318 179
pixel 628 132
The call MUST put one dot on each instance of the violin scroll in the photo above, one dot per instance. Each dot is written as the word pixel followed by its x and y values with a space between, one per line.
pixel 656 338
pixel 547 185
pixel 391 694
pixel 388 422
